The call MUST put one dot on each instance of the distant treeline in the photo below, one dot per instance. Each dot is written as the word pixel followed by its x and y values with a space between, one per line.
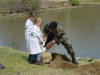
pixel 18 6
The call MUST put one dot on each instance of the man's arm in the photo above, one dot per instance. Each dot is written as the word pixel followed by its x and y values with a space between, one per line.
pixel 50 44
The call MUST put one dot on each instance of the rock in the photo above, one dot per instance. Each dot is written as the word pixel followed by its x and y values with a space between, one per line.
pixel 23 69
pixel 46 57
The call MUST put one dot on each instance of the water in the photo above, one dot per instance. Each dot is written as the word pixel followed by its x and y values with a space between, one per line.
pixel 81 24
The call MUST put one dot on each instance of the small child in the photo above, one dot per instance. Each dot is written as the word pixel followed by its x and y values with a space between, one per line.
pixel 37 41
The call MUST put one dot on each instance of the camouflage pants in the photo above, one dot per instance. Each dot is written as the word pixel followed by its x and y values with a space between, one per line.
pixel 65 42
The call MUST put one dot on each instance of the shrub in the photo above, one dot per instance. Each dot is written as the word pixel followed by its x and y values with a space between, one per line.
pixel 75 2
pixel 31 4
pixel 19 5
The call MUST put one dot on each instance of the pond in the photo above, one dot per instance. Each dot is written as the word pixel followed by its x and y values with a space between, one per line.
pixel 81 24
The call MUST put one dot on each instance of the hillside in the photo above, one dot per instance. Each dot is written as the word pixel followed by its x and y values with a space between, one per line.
pixel 16 63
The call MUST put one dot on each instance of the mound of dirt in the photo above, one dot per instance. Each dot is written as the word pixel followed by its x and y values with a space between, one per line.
pixel 60 57
pixel 62 65
pixel 61 62
pixel 89 69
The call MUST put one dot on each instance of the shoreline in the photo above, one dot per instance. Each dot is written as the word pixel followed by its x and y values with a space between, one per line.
pixel 89 2
pixel 48 9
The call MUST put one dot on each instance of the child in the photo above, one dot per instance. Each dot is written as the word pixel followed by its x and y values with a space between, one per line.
pixel 36 41
pixel 28 35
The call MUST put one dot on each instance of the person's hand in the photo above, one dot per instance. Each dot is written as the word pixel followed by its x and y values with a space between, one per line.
pixel 45 38
pixel 43 48
pixel 42 42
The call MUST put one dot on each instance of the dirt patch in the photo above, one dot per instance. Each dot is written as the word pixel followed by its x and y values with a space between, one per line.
pixel 89 69
pixel 60 57
pixel 61 62
pixel 62 65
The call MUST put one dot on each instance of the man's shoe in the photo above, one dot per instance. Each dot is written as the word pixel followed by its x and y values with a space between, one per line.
pixel 74 61
pixel 39 63
pixel 32 61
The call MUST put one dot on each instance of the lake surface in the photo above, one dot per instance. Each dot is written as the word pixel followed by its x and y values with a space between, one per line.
pixel 82 25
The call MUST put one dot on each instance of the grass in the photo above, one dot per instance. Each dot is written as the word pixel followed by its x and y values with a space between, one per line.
pixel 16 63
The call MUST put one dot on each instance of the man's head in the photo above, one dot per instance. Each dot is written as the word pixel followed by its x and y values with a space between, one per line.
pixel 31 16
pixel 52 26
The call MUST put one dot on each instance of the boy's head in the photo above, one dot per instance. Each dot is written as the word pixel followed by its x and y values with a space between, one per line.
pixel 31 16
pixel 38 20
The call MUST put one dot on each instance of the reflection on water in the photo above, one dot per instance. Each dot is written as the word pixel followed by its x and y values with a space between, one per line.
pixel 80 24
pixel 12 31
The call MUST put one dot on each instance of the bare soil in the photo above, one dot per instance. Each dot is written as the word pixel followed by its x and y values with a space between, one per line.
pixel 61 62
pixel 88 69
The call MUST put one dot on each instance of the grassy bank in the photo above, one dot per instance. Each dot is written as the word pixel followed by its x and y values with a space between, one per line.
pixel 16 64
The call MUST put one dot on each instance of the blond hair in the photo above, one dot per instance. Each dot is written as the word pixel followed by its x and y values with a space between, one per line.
pixel 37 19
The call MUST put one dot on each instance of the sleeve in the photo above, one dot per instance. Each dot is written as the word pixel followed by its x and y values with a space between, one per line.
pixel 38 33
pixel 59 35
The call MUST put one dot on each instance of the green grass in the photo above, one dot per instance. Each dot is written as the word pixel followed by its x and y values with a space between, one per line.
pixel 15 61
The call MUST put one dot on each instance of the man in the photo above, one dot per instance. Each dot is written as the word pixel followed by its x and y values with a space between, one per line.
pixel 55 34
